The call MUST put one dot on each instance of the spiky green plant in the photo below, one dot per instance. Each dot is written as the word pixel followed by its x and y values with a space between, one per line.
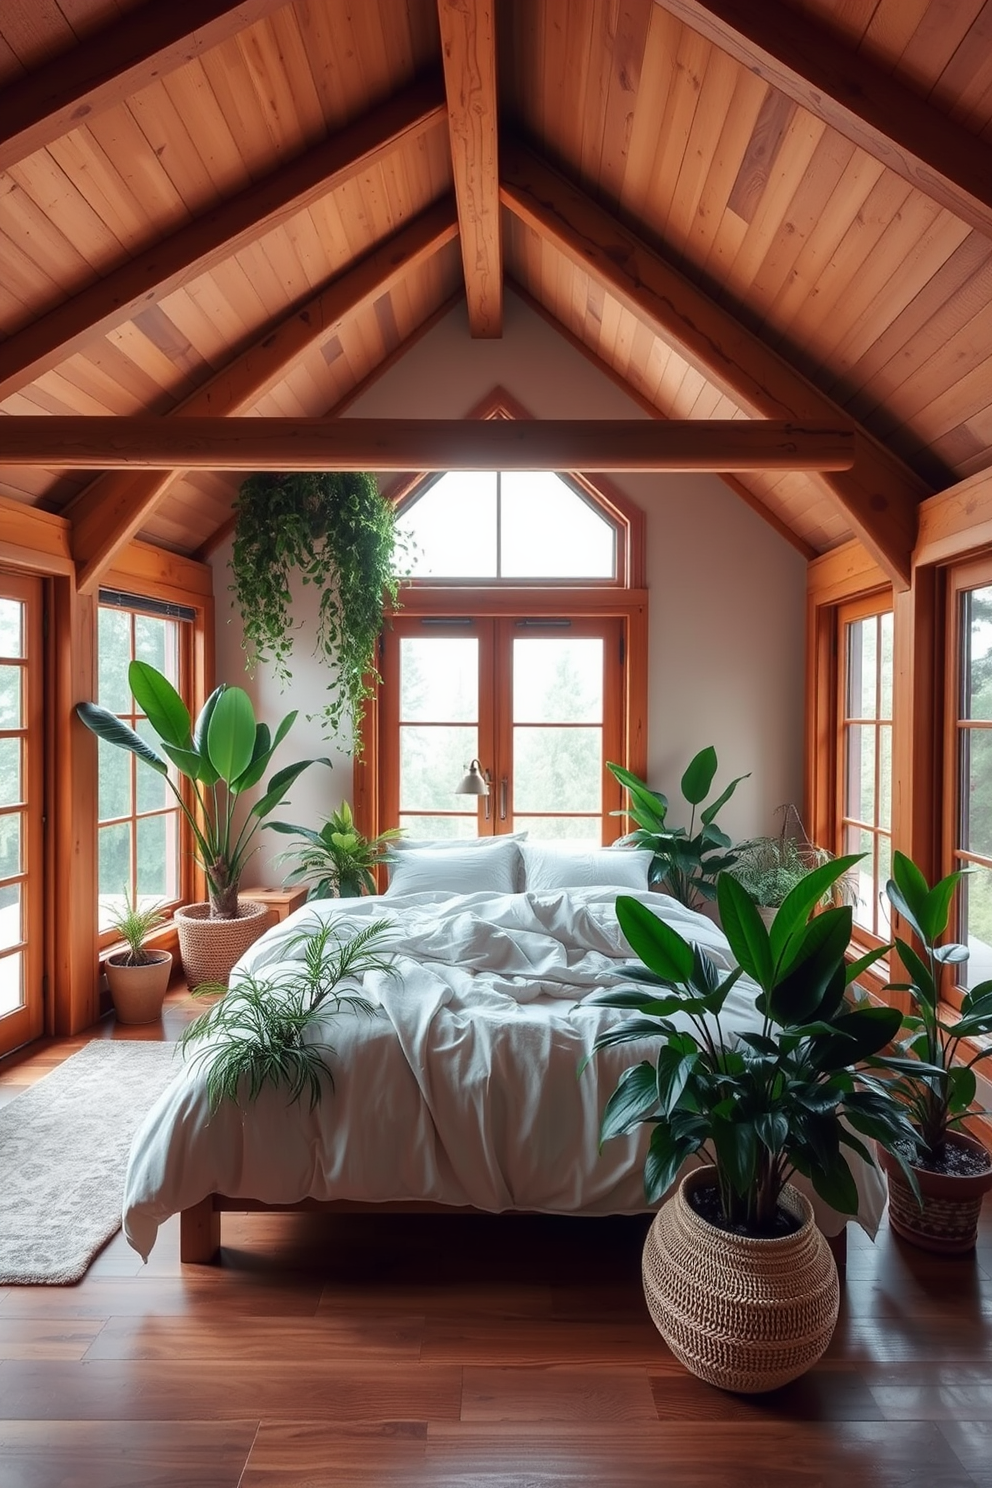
pixel 264 1032
pixel 134 924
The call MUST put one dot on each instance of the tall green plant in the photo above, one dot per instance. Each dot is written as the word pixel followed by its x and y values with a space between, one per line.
pixel 338 532
pixel 931 1073
pixel 687 861
pixel 224 755
pixel 769 1102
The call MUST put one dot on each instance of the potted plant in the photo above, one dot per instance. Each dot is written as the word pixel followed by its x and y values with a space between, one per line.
pixel 770 867
pixel 138 978
pixel 224 755
pixel 686 862
pixel 739 1281
pixel 337 860
pixel 934 1075
pixel 336 530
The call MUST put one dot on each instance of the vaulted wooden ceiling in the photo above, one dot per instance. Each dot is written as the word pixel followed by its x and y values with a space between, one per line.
pixel 743 210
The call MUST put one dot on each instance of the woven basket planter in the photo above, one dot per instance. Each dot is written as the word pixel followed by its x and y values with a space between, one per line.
pixel 947 1223
pixel 746 1315
pixel 209 948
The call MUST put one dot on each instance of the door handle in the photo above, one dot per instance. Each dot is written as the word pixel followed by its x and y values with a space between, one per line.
pixel 503 788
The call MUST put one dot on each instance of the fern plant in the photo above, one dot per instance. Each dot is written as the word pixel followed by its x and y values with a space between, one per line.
pixel 338 532
pixel 264 1032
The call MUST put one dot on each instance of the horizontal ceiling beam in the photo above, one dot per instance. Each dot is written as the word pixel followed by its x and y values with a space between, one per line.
pixel 879 496
pixel 114 507
pixel 854 95
pixel 111 64
pixel 468 45
pixel 421 444
pixel 217 234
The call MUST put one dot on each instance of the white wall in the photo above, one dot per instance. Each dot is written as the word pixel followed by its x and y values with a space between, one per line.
pixel 727 594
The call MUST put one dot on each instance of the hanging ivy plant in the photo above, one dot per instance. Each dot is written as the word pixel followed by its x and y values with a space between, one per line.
pixel 338 533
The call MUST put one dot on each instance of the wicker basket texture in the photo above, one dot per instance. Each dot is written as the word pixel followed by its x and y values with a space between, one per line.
pixel 744 1314
pixel 209 948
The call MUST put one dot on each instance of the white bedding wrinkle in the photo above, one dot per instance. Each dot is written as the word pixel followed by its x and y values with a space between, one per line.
pixel 463 1090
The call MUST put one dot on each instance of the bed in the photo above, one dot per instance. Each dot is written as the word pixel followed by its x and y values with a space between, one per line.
pixel 462 1091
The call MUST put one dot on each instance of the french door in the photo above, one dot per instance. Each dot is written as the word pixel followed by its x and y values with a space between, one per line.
pixel 536 701
pixel 21 811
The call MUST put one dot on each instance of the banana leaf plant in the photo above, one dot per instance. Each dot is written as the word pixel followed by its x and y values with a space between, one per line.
pixel 791 1094
pixel 224 755
pixel 931 1072
pixel 686 862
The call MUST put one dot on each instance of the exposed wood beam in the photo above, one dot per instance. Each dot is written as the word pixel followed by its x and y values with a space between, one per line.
pixel 851 93
pixel 879 496
pixel 217 234
pixel 468 42
pixel 115 506
pixel 112 63
pixel 422 444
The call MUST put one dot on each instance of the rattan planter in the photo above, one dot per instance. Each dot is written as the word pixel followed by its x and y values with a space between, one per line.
pixel 746 1315
pixel 209 948
pixel 948 1221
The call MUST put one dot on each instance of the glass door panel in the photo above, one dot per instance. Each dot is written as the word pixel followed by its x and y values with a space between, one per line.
pixel 558 691
pixel 21 826
pixel 438 731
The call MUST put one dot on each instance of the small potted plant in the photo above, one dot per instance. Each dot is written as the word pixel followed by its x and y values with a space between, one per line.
pixel 223 756
pixel 739 1280
pixel 336 861
pixel 138 978
pixel 933 1074
pixel 686 862
pixel 770 867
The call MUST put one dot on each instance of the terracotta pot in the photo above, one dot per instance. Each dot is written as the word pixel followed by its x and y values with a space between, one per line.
pixel 138 991
pixel 209 948
pixel 743 1314
pixel 947 1223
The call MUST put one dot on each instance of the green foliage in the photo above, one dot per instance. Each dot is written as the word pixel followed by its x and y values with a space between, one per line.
pixel 338 859
pixel 337 531
pixel 223 755
pixel 770 1102
pixel 770 867
pixel 937 1086
pixel 272 1033
pixel 686 862
pixel 134 924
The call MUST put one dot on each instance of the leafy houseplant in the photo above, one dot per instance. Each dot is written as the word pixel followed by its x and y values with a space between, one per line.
pixel 770 867
pixel 338 859
pixel 932 1075
pixel 759 1107
pixel 261 1033
pixel 138 978
pixel 224 755
pixel 686 862
pixel 338 532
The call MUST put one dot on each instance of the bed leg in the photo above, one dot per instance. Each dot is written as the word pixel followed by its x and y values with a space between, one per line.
pixel 838 1247
pixel 199 1233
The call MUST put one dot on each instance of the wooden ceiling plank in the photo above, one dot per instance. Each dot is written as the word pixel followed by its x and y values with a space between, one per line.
pixel 855 96
pixel 221 443
pixel 217 234
pixel 881 494
pixel 112 509
pixel 468 45
pixel 112 63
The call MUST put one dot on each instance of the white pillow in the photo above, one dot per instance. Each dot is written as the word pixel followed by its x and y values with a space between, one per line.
pixel 549 867
pixel 442 844
pixel 494 869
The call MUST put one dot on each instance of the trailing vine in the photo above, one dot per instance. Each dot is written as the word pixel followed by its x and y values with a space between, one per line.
pixel 337 531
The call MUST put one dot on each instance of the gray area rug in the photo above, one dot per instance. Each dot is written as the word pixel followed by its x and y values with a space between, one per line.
pixel 64 1146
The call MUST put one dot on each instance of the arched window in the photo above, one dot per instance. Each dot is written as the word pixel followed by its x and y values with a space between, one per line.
pixel 521 643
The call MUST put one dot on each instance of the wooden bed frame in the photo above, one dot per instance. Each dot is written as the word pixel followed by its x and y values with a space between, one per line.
pixel 199 1227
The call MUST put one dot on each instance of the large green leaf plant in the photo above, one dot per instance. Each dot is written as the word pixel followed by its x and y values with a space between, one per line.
pixel 791 1095
pixel 687 861
pixel 223 755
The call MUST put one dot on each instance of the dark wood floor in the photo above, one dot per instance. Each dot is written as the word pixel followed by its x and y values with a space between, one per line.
pixel 510 1353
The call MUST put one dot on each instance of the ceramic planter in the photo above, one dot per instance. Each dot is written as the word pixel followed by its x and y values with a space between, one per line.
pixel 138 991
pixel 744 1314
pixel 947 1222
pixel 209 947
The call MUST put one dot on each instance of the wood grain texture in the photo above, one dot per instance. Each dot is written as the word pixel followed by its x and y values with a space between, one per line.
pixel 469 51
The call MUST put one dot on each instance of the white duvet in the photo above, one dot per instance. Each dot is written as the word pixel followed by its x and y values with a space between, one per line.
pixel 462 1089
